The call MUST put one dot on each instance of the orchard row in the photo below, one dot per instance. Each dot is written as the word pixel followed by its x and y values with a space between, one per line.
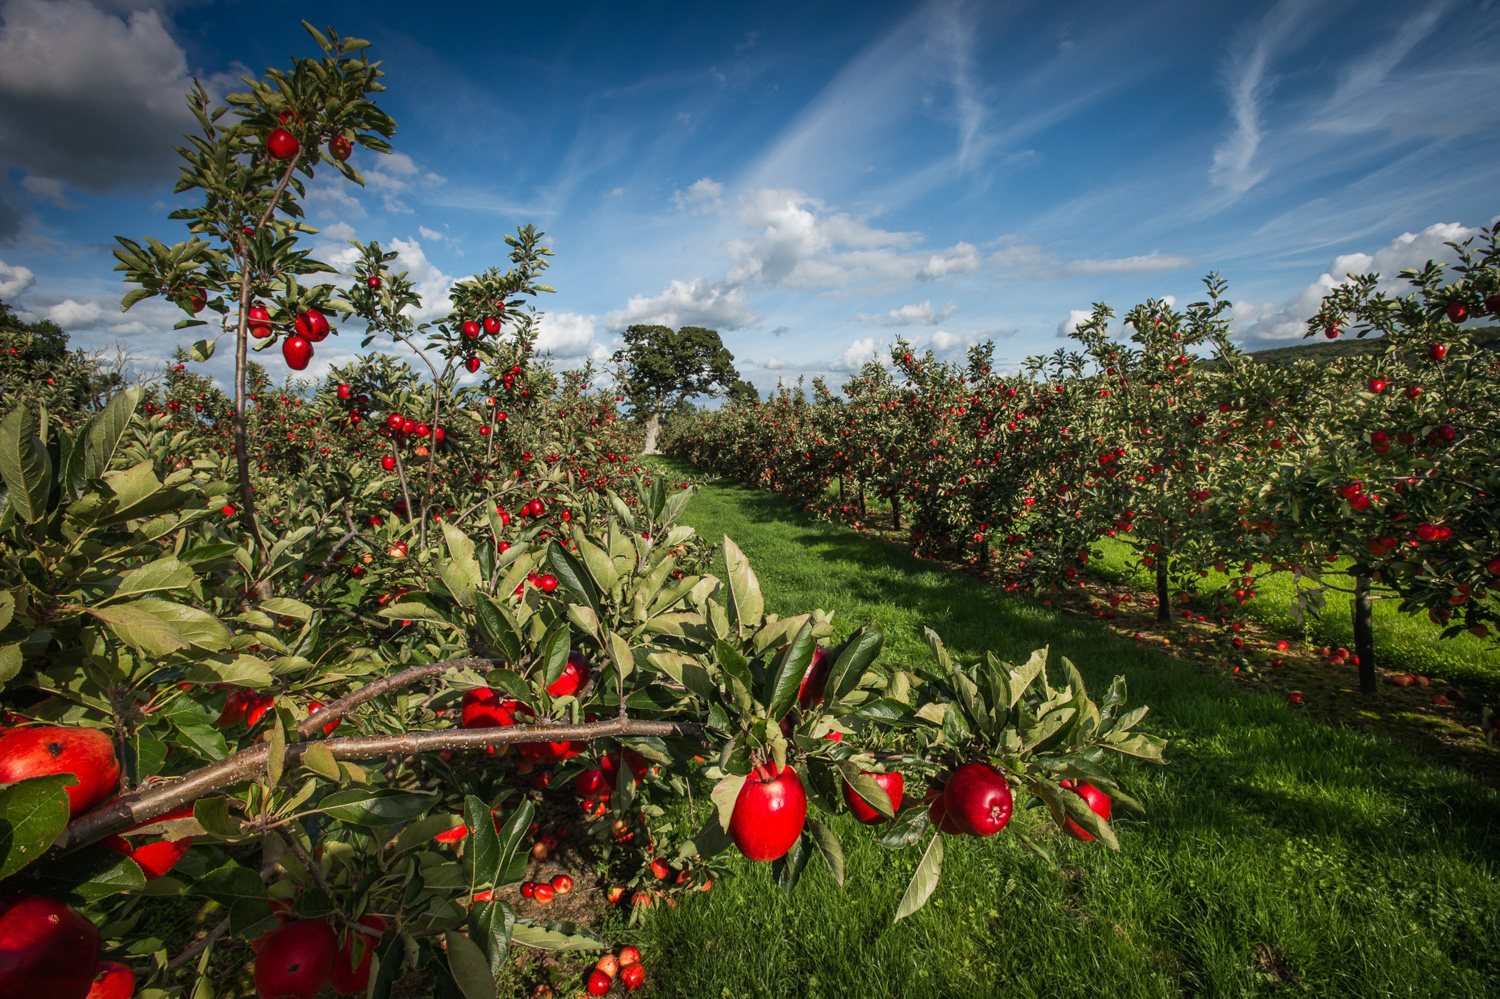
pixel 1159 433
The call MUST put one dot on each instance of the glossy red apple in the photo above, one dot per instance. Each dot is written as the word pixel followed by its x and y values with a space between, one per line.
pixel 769 813
pixel 483 708
pixel 297 352
pixel 340 148
pixel 281 144
pixel 112 981
pixel 979 799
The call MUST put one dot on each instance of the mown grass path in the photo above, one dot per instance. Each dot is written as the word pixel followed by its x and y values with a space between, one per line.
pixel 1278 856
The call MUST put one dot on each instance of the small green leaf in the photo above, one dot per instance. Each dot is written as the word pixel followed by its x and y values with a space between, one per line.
pixel 202 350
pixel 725 793
pixel 746 605
pixel 382 807
pixel 829 846
pixel 924 879
pixel 319 759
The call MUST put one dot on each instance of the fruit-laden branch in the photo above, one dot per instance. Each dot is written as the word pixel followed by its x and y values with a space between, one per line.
pixel 416 674
pixel 145 805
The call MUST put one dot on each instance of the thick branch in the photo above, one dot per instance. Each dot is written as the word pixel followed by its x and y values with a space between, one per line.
pixel 248 764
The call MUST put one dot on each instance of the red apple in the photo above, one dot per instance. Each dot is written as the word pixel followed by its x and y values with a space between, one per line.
pixel 978 798
pixel 348 977
pixel 281 144
pixel 296 960
pixel 1098 803
pixel 112 981
pixel 769 813
pixel 297 352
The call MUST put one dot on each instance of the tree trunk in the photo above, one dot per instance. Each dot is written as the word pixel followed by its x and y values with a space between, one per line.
pixel 653 426
pixel 895 512
pixel 1364 632
pixel 859 483
pixel 1163 598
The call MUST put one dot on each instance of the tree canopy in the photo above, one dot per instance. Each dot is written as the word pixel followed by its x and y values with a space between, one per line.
pixel 659 367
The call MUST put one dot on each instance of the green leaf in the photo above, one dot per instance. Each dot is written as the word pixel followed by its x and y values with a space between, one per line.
pixel 572 576
pixel 498 629
pixel 379 807
pixel 202 350
pixel 906 830
pixel 556 936
pixel 725 793
pixel 469 966
pixel 161 574
pixel 599 565
pixel 864 785
pixel 490 926
pixel 746 605
pixel 33 812
pixel 285 607
pixel 514 846
pixel 555 650
pixel 482 851
pixel 92 873
pixel 10 661
pixel 107 430
pixel 275 750
pixel 25 465
pixel 460 570
pixel 781 686
pixel 852 660
pixel 788 870
pixel 421 607
pixel 924 879
pixel 829 846
pixel 319 759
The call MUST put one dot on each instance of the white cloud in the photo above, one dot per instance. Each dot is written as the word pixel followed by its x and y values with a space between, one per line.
pixel 1269 325
pixel 14 279
pixel 686 303
pixel 960 258
pixel 925 314
pixel 777 364
pixel 69 313
pixel 566 334
pixel 858 352
pixel 1247 79
pixel 431 235
pixel 338 230
pixel 431 283
pixel 1075 317
pixel 393 174
pixel 704 197
pixel 331 200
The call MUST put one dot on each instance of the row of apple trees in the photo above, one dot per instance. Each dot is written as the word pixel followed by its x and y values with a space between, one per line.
pixel 308 664
pixel 1158 432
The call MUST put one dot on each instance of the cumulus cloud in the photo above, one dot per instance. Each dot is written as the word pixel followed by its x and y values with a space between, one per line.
pixel 777 364
pixel 566 334
pixel 90 99
pixel 338 230
pixel 14 279
pixel 704 197
pixel 858 353
pixel 430 281
pixel 1075 317
pixel 69 314
pixel 1271 326
pixel 687 303
pixel 924 314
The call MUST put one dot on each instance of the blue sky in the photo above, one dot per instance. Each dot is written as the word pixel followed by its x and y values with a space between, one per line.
pixel 811 179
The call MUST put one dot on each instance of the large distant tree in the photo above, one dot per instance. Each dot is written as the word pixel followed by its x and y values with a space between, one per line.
pixel 659 367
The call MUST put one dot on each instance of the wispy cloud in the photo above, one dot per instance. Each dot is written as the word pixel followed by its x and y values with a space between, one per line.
pixel 1248 81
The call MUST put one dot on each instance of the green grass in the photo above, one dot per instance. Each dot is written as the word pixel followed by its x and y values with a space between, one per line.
pixel 1278 856
pixel 1402 641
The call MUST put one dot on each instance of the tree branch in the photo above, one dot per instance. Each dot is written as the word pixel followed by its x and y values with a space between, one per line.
pixel 416 674
pixel 248 764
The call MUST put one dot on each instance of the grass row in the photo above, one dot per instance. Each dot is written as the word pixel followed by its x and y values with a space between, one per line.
pixel 1278 855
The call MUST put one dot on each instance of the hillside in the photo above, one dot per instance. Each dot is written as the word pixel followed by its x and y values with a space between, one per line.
pixel 1487 337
